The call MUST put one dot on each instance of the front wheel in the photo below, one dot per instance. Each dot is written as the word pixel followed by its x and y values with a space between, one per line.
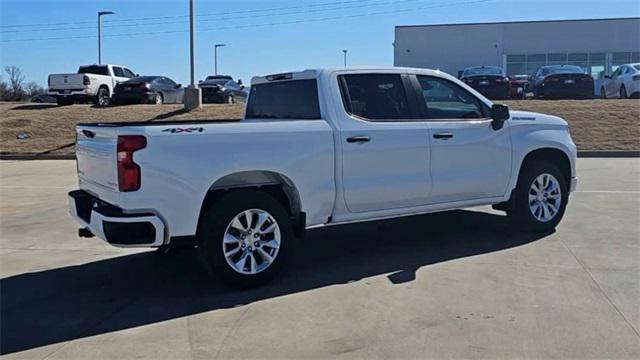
pixel 541 197
pixel 244 238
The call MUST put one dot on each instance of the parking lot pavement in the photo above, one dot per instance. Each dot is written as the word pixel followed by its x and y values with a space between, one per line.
pixel 448 285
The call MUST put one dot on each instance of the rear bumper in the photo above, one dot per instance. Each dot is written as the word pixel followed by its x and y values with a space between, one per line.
pixel 494 91
pixel 111 224
pixel 561 92
pixel 573 185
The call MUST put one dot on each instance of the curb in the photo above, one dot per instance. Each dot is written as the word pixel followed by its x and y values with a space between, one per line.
pixel 581 154
pixel 609 154
pixel 37 157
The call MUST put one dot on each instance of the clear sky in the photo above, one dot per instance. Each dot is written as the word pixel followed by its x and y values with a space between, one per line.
pixel 313 34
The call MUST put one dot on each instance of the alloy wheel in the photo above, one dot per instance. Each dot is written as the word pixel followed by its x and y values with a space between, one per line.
pixel 251 241
pixel 545 197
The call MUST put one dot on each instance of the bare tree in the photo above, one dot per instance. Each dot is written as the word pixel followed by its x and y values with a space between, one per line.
pixel 33 88
pixel 16 81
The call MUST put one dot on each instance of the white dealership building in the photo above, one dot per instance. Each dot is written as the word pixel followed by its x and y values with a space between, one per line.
pixel 598 45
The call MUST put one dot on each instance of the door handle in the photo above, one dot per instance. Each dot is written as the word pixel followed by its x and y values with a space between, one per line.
pixel 358 139
pixel 443 135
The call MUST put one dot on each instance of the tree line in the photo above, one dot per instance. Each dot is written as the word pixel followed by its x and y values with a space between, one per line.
pixel 15 88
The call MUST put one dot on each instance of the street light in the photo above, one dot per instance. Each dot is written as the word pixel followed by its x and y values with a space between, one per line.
pixel 192 94
pixel 100 13
pixel 345 57
pixel 215 57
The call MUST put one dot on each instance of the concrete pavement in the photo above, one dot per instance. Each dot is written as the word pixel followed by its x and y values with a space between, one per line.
pixel 466 287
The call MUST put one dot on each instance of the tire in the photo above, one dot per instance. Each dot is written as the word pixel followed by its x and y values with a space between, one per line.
pixel 218 233
pixel 603 93
pixel 230 99
pixel 531 215
pixel 159 99
pixel 623 92
pixel 102 97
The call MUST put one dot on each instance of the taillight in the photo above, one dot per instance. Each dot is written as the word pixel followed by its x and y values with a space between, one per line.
pixel 86 80
pixel 128 170
pixel 551 79
pixel 635 77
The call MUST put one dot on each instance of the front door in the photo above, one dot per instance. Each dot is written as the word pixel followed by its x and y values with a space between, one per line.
pixel 385 153
pixel 469 159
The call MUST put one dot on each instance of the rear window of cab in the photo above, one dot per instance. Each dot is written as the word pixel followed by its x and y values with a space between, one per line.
pixel 292 99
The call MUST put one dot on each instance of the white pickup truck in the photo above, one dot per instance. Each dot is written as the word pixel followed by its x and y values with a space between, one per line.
pixel 91 83
pixel 317 148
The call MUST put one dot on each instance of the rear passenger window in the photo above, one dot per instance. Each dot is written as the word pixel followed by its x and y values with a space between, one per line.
pixel 294 99
pixel 375 96
pixel 446 100
pixel 117 71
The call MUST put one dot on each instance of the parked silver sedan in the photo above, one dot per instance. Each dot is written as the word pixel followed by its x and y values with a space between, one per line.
pixel 623 83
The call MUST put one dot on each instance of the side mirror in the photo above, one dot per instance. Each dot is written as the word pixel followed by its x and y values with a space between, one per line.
pixel 241 87
pixel 499 114
pixel 137 75
pixel 178 86
pixel 239 81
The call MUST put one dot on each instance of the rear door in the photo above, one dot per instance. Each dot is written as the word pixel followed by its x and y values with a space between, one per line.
pixel 469 159
pixel 385 152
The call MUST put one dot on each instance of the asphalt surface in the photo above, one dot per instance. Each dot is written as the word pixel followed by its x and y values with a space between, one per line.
pixel 449 285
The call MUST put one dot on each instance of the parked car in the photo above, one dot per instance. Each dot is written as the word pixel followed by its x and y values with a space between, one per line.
pixel 518 86
pixel 562 82
pixel 490 81
pixel 316 148
pixel 149 90
pixel 43 98
pixel 91 83
pixel 222 89
pixel 623 83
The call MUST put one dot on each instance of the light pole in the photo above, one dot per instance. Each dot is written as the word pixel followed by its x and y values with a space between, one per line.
pixel 345 57
pixel 192 94
pixel 100 13
pixel 215 57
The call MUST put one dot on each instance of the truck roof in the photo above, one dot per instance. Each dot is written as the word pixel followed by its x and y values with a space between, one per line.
pixel 315 73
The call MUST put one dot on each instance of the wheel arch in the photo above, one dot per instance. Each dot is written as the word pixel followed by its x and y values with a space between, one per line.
pixel 550 154
pixel 275 184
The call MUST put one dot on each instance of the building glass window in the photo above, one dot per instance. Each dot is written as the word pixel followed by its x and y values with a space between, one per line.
pixel 556 59
pixel 597 64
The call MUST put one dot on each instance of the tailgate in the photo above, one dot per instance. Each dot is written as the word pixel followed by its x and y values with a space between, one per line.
pixel 96 154
pixel 66 81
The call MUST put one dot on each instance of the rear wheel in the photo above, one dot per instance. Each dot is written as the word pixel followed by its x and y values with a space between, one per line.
pixel 623 92
pixel 540 198
pixel 244 238
pixel 102 98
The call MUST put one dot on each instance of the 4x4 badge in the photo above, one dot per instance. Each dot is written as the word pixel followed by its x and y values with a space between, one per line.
pixel 180 130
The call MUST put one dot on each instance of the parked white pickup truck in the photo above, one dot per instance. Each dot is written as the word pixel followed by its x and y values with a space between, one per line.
pixel 317 148
pixel 91 83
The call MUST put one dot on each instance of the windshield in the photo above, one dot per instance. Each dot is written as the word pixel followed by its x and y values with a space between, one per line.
pixel 562 70
pixel 636 66
pixel 94 69
pixel 487 70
